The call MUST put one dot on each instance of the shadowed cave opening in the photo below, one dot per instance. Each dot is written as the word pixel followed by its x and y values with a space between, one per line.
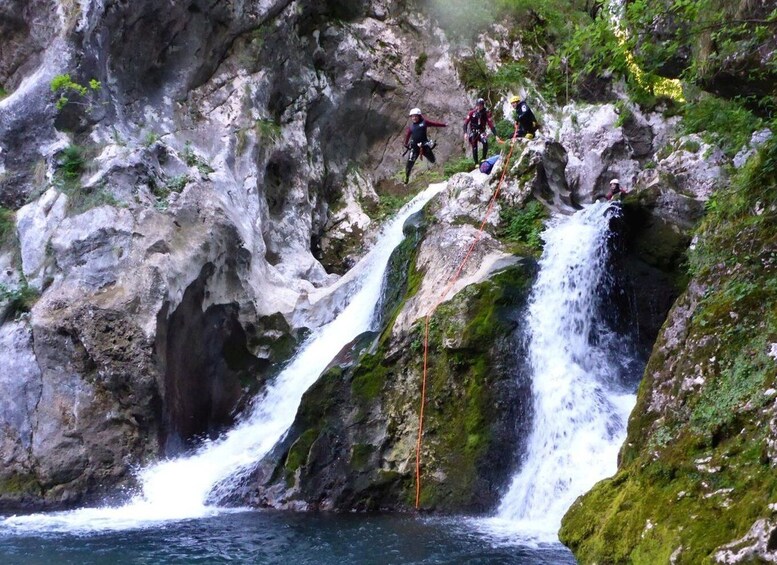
pixel 206 366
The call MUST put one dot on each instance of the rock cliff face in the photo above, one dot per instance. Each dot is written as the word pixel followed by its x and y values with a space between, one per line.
pixel 182 205
pixel 701 438
pixel 166 215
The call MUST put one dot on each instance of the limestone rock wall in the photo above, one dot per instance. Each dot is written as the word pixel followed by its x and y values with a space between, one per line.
pixel 173 206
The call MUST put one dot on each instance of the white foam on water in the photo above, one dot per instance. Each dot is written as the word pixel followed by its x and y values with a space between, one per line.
pixel 178 489
pixel 580 412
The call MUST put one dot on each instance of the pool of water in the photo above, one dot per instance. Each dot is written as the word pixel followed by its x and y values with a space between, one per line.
pixel 279 537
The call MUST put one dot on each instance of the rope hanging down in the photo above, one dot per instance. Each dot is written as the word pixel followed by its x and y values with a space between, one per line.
pixel 429 314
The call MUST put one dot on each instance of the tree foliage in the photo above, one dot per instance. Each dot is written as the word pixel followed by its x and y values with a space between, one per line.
pixel 65 86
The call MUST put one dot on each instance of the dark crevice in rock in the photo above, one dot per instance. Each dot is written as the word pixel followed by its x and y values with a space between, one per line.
pixel 642 290
pixel 278 174
pixel 771 544
pixel 205 362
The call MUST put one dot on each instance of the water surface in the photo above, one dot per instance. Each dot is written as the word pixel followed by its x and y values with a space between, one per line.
pixel 280 537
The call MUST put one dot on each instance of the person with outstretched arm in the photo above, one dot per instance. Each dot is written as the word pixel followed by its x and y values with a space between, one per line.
pixel 417 142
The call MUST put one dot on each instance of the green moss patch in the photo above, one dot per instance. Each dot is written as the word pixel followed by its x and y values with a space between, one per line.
pixel 7 226
pixel 19 486
pixel 298 453
pixel 697 469
pixel 369 377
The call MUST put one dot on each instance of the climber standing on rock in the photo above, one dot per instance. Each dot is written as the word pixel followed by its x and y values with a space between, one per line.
pixel 525 122
pixel 417 142
pixel 475 124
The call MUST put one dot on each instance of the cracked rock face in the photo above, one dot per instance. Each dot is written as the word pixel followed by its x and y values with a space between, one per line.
pixel 183 220
pixel 210 157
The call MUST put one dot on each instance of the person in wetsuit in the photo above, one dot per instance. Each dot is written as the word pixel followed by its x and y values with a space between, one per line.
pixel 615 192
pixel 475 124
pixel 416 140
pixel 525 122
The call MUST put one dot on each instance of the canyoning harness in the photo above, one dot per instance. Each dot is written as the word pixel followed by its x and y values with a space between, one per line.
pixel 525 121
pixel 429 144
pixel 476 123
pixel 416 134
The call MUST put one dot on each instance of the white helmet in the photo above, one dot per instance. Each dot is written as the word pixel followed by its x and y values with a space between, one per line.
pixel 615 181
pixel 415 112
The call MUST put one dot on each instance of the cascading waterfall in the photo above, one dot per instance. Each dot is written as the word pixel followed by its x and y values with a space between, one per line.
pixel 179 489
pixel 580 407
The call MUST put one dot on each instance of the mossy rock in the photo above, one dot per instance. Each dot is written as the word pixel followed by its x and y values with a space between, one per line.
pixel 468 450
pixel 19 489
pixel 355 431
pixel 697 469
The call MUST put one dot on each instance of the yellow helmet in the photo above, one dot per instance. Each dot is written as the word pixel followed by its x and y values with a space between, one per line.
pixel 515 99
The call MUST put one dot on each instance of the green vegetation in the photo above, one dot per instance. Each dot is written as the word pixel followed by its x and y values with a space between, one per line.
pixel 721 33
pixel 504 128
pixel 543 26
pixel 706 453
pixel 3 93
pixel 81 199
pixel 64 85
pixel 539 22
pixel 192 159
pixel 725 123
pixel 18 300
pixel 574 51
pixel 72 164
pixel 737 214
pixel 420 63
pixel 389 204
pixel 16 485
pixel 624 113
pixel 150 138
pixel 523 225
pixel 173 184
pixel 268 130
pixel 7 226
pixel 461 165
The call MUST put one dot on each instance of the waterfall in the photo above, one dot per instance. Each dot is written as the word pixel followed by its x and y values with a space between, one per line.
pixel 580 408
pixel 178 489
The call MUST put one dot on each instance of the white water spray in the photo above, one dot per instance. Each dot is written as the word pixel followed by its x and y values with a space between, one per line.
pixel 178 489
pixel 580 412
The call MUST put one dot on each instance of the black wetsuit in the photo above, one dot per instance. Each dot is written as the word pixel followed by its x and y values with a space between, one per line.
pixel 524 120
pixel 418 143
pixel 475 126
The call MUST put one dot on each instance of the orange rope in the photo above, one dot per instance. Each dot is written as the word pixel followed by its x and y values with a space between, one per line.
pixel 429 314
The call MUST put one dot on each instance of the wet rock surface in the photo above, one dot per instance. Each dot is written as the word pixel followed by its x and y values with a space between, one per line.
pixel 185 222
pixel 217 142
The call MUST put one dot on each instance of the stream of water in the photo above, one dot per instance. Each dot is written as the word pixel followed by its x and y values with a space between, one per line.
pixel 580 410
pixel 581 404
